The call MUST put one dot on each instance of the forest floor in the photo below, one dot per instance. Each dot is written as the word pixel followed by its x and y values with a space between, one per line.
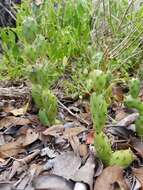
pixel 67 58
pixel 62 157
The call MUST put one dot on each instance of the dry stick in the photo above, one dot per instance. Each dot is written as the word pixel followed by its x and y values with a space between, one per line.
pixel 133 55
pixel 126 47
pixel 8 11
pixel 71 113
pixel 94 22
pixel 122 43
pixel 126 11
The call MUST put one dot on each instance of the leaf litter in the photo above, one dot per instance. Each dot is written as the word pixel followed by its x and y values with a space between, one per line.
pixel 62 156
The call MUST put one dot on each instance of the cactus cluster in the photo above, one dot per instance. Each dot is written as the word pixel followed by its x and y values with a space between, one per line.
pixel 99 106
pixel 133 101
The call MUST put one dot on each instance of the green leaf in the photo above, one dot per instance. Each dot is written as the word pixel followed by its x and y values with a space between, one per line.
pixel 30 29
pixel 43 117
pixel 103 147
pixel 139 126
pixel 122 158
pixel 36 94
pixel 99 111
pixel 135 88
pixel 49 102
pixel 134 103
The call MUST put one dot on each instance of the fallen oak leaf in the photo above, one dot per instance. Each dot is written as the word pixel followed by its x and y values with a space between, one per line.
pixel 20 111
pixel 31 136
pixel 19 165
pixel 17 146
pixel 66 164
pixel 54 130
pixel 138 172
pixel 12 120
pixel 86 172
pixel 52 182
pixel 90 137
pixel 128 120
pixel 110 176
pixel 137 145
pixel 74 131
pixel 12 148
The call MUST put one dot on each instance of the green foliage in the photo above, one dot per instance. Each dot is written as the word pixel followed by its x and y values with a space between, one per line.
pixel 135 88
pixel 36 94
pixel 99 111
pixel 103 147
pixel 98 104
pixel 139 125
pixel 133 101
pixel 29 29
pixel 98 81
pixel 46 102
pixel 45 74
pixel 122 158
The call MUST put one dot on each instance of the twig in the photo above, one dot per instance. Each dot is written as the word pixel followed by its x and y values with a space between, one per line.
pixel 124 15
pixel 8 11
pixel 71 113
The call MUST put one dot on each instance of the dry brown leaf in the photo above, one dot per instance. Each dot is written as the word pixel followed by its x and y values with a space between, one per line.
pixel 137 144
pixel 52 182
pixel 120 114
pixel 118 93
pixel 55 130
pixel 138 172
pixel 20 111
pixel 83 150
pixel 12 120
pixel 86 172
pixel 74 141
pixel 109 176
pixel 128 120
pixel 73 131
pixel 5 186
pixel 12 148
pixel 66 164
pixel 90 137
pixel 31 136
